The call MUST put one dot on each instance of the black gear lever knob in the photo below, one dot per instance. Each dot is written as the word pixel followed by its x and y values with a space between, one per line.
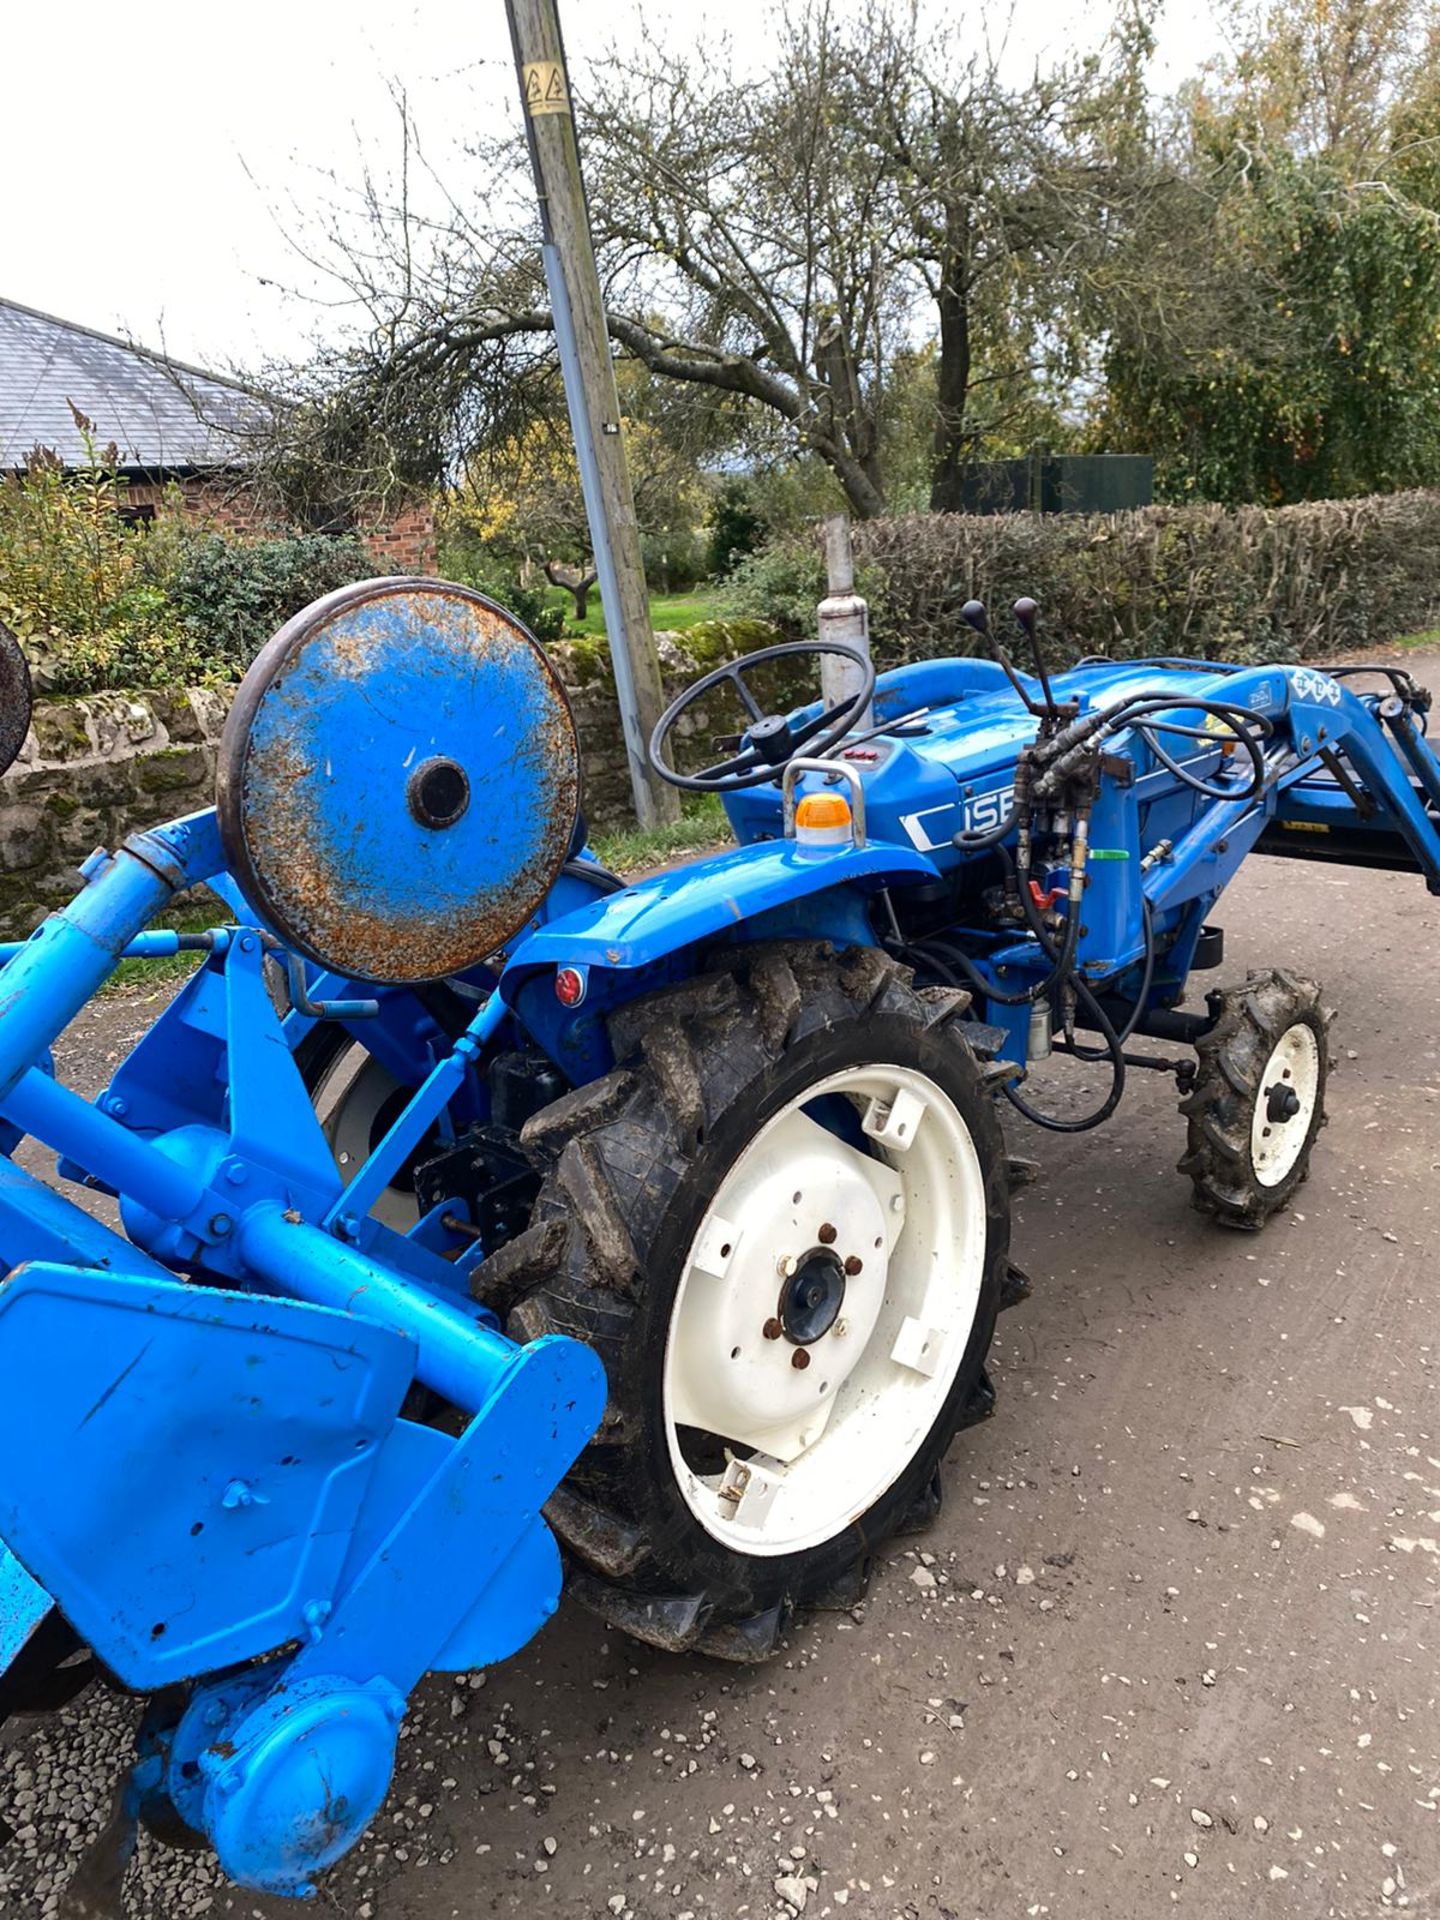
pixel 975 617
pixel 1027 612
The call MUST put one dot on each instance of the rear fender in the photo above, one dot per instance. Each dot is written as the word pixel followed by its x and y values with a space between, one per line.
pixel 657 932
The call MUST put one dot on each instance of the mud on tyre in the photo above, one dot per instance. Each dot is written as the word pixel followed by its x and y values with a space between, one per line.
pixel 1257 1103
pixel 782 1221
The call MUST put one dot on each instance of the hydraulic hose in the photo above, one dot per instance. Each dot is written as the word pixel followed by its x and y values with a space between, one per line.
pixel 956 968
pixel 1052 1123
pixel 1113 1045
pixel 1241 732
pixel 990 837
pixel 1248 728
pixel 1053 762
pixel 1132 1019
pixel 1062 959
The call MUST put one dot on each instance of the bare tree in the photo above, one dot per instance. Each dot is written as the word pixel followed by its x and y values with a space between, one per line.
pixel 770 243
pixel 1325 76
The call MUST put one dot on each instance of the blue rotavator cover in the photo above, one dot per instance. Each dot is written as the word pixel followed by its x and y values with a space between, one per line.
pixel 181 1468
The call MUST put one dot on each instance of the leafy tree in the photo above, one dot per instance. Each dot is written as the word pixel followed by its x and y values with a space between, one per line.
pixel 1315 148
pixel 522 499
pixel 882 257
pixel 736 526
pixel 1014 200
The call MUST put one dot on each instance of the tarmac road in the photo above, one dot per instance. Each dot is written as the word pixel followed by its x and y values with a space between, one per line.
pixel 1170 1646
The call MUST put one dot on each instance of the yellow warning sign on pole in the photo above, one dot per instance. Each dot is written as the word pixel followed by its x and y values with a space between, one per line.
pixel 545 89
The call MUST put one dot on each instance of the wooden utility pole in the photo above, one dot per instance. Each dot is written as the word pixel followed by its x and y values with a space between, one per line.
pixel 590 392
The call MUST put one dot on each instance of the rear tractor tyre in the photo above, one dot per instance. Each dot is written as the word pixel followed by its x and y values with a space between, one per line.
pixel 1258 1100
pixel 782 1221
pixel 357 1101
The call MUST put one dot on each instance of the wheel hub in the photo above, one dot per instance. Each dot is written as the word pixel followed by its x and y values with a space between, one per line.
pixel 1285 1106
pixel 812 1297
pixel 824 1309
pixel 1282 1104
pixel 762 1350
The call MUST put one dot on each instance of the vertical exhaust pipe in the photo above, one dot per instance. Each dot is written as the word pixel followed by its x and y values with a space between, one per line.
pixel 843 619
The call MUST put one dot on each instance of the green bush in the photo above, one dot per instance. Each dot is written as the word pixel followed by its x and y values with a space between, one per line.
pixel 1247 584
pixel 71 582
pixel 464 558
pixel 675 561
pixel 230 596
pixel 117 657
pixel 99 603
pixel 784 581
pixel 736 525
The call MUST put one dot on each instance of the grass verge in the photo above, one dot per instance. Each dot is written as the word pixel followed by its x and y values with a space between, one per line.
pixel 701 827
pixel 669 612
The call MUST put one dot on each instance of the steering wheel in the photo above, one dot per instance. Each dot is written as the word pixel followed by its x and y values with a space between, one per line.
pixel 772 739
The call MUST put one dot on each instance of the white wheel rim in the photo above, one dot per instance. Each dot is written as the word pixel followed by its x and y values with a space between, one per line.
pixel 811 1447
pixel 1281 1126
pixel 349 1101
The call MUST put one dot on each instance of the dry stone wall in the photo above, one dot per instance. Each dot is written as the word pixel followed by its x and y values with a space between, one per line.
pixel 91 771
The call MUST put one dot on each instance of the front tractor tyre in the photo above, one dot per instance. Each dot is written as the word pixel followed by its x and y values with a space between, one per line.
pixel 782 1222
pixel 1257 1103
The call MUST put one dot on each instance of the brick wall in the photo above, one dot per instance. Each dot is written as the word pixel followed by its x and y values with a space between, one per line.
pixel 403 544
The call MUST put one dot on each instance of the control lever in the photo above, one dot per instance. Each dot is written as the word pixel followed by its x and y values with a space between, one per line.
pixel 978 620
pixel 1027 615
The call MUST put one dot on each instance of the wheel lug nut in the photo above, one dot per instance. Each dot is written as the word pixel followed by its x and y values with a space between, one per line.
pixel 772 1329
pixel 787 1264
pixel 800 1359
pixel 827 1235
pixel 853 1264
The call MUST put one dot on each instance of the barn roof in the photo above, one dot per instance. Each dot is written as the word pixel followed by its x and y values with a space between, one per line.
pixel 163 415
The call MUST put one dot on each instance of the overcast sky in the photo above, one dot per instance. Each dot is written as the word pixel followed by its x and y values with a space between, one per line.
pixel 154 153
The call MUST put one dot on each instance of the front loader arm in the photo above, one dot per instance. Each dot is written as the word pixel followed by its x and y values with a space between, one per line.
pixel 1352 766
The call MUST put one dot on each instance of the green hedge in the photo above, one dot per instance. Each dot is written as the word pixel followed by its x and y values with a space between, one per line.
pixel 1248 584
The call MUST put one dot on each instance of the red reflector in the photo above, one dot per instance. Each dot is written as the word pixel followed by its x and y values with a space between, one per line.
pixel 569 987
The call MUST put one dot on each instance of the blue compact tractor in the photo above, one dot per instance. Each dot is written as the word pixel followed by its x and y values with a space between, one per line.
pixel 470 1216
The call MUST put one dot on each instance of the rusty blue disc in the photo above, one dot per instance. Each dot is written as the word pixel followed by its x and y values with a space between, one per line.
pixel 399 780
pixel 15 697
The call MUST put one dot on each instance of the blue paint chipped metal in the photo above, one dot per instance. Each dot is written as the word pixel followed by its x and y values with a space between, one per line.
pixel 215 1472
pixel 24 1604
pixel 399 779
